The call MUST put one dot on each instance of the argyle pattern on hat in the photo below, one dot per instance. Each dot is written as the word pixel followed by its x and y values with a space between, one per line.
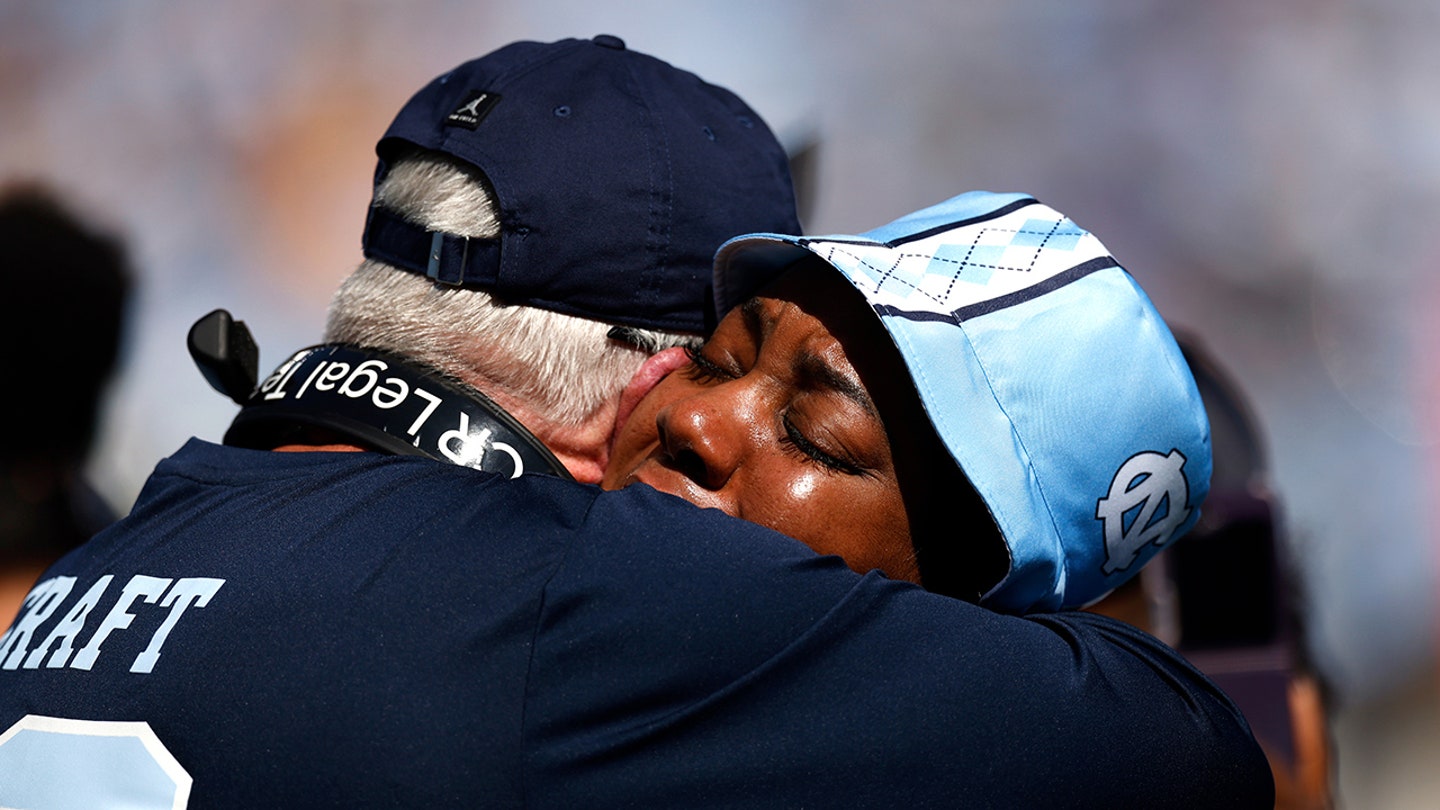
pixel 951 272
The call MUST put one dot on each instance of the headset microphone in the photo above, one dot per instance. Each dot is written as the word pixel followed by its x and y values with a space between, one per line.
pixel 226 354
pixel 376 399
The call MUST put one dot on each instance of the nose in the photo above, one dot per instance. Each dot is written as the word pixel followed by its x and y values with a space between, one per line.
pixel 704 434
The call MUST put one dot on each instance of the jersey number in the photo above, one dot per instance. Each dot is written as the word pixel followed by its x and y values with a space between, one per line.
pixel 53 763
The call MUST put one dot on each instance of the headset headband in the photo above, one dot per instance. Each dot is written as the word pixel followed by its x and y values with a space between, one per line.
pixel 377 399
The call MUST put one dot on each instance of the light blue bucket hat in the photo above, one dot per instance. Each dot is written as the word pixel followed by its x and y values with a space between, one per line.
pixel 1044 368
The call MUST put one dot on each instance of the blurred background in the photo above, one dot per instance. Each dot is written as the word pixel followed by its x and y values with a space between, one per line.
pixel 1268 169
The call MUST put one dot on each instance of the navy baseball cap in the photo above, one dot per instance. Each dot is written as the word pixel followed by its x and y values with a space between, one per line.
pixel 617 176
pixel 1044 368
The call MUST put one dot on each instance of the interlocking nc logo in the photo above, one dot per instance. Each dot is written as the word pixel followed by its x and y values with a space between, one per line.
pixel 1145 482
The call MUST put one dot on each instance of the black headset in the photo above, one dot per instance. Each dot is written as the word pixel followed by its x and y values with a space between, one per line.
pixel 376 399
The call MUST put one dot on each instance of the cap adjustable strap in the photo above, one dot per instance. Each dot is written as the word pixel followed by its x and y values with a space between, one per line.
pixel 444 257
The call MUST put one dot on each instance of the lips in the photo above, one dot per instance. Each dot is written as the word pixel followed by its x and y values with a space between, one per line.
pixel 655 369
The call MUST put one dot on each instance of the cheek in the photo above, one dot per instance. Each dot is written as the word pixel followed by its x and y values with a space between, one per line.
pixel 783 494
pixel 802 488
pixel 861 520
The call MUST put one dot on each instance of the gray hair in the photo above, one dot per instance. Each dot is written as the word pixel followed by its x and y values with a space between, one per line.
pixel 562 367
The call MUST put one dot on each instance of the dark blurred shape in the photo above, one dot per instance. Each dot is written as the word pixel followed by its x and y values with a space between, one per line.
pixel 1228 572
pixel 804 169
pixel 66 288
pixel 1227 596
pixel 226 354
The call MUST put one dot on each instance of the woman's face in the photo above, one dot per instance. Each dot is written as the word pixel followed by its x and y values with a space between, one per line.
pixel 777 420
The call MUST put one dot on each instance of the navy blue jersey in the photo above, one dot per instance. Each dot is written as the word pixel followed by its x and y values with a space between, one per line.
pixel 361 630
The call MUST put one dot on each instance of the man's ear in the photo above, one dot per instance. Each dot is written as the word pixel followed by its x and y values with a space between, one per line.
pixel 656 368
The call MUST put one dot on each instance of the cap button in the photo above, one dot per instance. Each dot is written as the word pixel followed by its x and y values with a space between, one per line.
pixel 609 41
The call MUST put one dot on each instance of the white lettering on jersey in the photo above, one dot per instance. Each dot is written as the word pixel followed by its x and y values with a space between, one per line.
pixel 191 591
pixel 120 616
pixel 69 627
pixel 42 601
pixel 47 596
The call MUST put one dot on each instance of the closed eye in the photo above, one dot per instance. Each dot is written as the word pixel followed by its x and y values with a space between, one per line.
pixel 703 369
pixel 796 442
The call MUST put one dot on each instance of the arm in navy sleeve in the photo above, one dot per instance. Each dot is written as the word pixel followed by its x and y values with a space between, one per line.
pixel 684 658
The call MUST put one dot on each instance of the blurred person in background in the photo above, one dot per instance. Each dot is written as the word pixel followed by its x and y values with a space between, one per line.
pixel 1229 597
pixel 61 317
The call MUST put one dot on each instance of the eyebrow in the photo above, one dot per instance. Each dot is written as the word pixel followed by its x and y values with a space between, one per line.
pixel 753 313
pixel 814 372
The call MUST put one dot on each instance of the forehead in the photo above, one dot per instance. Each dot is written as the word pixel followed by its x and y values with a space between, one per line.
pixel 794 342
pixel 818 291
pixel 815 295
pixel 828 333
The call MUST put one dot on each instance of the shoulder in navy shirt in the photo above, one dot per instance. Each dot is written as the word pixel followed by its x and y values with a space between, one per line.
pixel 356 630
